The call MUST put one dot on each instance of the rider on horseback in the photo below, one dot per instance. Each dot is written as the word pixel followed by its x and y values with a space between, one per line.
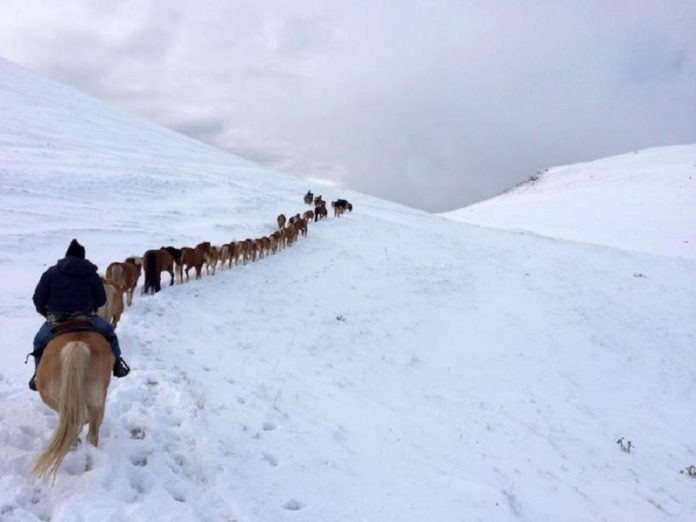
pixel 72 290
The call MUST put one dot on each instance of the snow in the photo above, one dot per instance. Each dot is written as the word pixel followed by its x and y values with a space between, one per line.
pixel 393 365
pixel 644 201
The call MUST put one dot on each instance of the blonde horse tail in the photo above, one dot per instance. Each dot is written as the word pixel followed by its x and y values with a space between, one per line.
pixel 72 408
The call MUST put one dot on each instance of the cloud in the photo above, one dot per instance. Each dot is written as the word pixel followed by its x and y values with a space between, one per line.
pixel 435 105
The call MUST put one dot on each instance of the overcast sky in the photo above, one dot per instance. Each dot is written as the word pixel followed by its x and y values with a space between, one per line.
pixel 434 104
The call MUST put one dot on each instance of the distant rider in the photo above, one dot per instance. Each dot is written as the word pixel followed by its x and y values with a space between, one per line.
pixel 72 290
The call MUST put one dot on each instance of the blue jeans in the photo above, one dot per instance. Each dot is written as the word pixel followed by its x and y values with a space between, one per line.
pixel 44 335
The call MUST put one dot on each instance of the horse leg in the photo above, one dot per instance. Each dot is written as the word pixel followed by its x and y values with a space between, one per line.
pixel 96 416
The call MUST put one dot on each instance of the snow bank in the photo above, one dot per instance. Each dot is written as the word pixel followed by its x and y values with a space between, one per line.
pixel 643 201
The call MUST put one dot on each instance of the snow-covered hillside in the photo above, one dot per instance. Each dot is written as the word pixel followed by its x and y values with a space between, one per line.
pixel 644 201
pixel 392 366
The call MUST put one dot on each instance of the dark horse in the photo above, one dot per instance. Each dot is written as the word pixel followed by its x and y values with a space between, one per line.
pixel 178 261
pixel 156 262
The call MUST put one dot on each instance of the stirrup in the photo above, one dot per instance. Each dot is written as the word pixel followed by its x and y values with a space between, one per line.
pixel 121 369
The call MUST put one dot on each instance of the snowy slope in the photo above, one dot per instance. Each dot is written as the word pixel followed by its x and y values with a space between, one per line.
pixel 643 201
pixel 392 366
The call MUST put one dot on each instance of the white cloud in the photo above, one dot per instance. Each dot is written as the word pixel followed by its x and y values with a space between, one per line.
pixel 435 104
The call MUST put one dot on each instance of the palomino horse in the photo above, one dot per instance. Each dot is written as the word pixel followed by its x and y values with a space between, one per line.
pixel 126 276
pixel 72 378
pixel 156 262
pixel 113 308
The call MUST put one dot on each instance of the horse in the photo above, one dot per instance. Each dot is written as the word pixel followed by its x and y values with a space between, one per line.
pixel 193 257
pixel 178 264
pixel 318 201
pixel 247 250
pixel 281 221
pixel 290 234
pixel 308 198
pixel 344 204
pixel 125 275
pixel 72 378
pixel 338 209
pixel 301 225
pixel 113 308
pixel 235 249
pixel 265 243
pixel 156 262
pixel 309 215
pixel 212 258
pixel 320 212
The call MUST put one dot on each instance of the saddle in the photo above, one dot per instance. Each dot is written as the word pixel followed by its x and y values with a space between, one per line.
pixel 74 325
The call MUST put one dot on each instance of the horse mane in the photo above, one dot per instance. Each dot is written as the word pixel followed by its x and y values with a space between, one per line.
pixel 174 252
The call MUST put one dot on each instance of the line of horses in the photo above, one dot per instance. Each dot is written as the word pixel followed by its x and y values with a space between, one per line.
pixel 122 277
pixel 76 366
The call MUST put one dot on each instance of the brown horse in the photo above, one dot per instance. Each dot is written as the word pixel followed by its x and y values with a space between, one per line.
pixel 301 226
pixel 247 247
pixel 72 378
pixel 125 275
pixel 213 258
pixel 156 262
pixel 320 212
pixel 265 243
pixel 281 220
pixel 113 308
pixel 308 198
pixel 177 262
pixel 235 249
pixel 309 215
pixel 195 257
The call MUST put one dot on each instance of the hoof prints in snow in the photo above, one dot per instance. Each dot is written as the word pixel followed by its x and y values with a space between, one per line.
pixel 267 457
pixel 293 505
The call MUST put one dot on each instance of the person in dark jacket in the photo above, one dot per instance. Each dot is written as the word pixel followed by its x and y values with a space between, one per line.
pixel 72 289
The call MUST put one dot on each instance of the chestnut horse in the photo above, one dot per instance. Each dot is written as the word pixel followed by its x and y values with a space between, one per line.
pixel 125 275
pixel 195 257
pixel 72 378
pixel 235 249
pixel 113 308
pixel 156 262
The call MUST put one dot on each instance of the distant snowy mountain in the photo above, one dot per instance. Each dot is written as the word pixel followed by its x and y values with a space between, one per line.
pixel 643 201
pixel 393 365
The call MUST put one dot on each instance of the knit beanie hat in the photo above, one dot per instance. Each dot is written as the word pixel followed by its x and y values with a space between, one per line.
pixel 75 250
